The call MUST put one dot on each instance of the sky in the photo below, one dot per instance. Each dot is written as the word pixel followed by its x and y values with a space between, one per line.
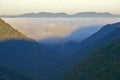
pixel 15 7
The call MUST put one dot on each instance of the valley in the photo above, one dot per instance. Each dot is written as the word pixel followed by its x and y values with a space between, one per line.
pixel 67 29
pixel 59 40
pixel 46 49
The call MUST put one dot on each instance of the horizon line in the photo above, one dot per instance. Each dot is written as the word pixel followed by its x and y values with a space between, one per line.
pixel 59 12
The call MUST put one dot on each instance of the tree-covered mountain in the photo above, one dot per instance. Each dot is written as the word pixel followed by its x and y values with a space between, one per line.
pixel 101 65
pixel 8 73
pixel 106 35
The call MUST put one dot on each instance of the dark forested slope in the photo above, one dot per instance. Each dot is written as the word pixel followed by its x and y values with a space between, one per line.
pixel 101 65
pixel 106 35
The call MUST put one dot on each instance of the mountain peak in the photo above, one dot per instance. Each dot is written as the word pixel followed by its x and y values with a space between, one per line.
pixel 7 32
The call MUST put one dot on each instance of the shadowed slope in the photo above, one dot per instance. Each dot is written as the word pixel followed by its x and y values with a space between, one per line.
pixel 111 35
pixel 26 55
pixel 8 73
pixel 56 15
pixel 103 37
pixel 102 65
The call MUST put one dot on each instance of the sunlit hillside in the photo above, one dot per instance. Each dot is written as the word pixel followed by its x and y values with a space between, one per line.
pixel 65 29
pixel 7 32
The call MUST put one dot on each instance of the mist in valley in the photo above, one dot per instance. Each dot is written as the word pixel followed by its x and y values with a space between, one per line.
pixel 59 34
pixel 59 30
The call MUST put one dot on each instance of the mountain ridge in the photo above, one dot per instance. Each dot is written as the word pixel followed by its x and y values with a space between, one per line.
pixel 62 14
pixel 98 40
pixel 94 46
pixel 7 32
pixel 101 65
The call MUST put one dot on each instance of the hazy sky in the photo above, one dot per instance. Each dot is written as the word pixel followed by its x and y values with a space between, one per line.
pixel 12 7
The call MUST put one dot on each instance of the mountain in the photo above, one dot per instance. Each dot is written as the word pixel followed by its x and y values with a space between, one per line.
pixel 40 62
pixel 44 14
pixel 105 36
pixel 7 32
pixel 53 15
pixel 26 55
pixel 8 73
pixel 65 44
pixel 29 57
pixel 101 65
pixel 94 14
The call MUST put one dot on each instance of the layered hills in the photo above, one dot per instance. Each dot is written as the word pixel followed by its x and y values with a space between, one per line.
pixel 106 35
pixel 97 56
pixel 54 15
pixel 59 34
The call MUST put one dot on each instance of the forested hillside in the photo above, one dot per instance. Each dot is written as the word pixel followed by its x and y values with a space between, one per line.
pixel 101 65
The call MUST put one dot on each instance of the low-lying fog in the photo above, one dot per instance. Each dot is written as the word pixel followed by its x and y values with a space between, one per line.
pixel 57 30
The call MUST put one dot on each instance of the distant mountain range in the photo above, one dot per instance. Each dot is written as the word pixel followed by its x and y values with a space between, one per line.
pixel 54 15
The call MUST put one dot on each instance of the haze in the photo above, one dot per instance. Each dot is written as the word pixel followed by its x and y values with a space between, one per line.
pixel 14 7
pixel 75 29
